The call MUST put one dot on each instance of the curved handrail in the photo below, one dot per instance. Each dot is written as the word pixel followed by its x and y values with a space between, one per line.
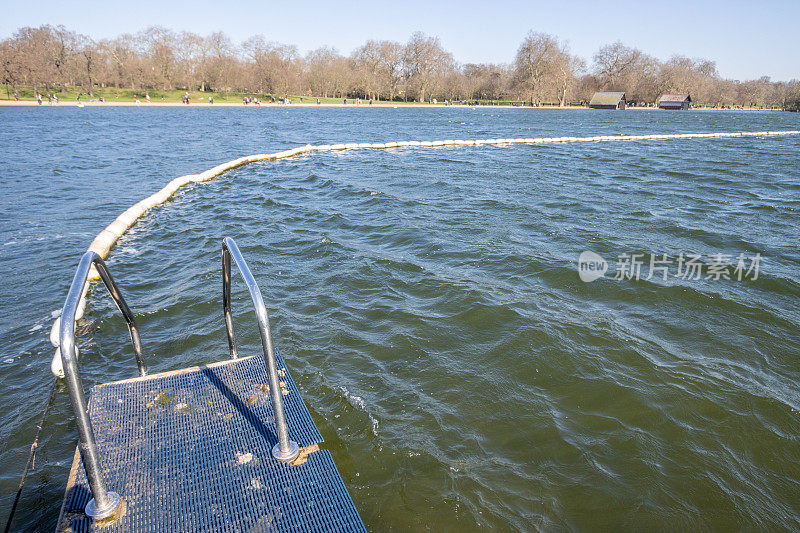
pixel 104 503
pixel 285 450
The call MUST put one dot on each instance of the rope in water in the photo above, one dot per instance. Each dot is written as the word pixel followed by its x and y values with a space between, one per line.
pixel 31 456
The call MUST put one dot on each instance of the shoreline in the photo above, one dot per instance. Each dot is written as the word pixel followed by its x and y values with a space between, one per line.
pixel 34 103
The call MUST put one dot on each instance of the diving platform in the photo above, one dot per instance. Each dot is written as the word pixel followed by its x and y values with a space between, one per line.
pixel 228 446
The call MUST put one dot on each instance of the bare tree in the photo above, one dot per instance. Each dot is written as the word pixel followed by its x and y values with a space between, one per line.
pixel 37 51
pixel 613 62
pixel 621 68
pixel 543 68
pixel 368 66
pixel 62 49
pixel 10 65
pixel 273 67
pixel 49 58
pixel 486 81
pixel 320 65
pixel 392 55
pixel 425 62
pixel 220 61
pixel 120 58
pixel 694 76
pixel 569 67
pixel 161 62
pixel 90 54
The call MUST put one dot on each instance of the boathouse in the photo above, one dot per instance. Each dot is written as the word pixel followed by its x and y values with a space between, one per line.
pixel 674 101
pixel 612 100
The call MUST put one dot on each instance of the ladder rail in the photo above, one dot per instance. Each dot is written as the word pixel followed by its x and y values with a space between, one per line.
pixel 285 450
pixel 103 502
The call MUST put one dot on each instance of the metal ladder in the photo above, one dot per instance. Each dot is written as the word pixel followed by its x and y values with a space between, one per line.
pixel 104 502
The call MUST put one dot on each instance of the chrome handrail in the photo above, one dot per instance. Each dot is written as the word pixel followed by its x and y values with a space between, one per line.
pixel 285 450
pixel 103 503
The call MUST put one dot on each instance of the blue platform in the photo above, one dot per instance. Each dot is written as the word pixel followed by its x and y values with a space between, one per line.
pixel 190 450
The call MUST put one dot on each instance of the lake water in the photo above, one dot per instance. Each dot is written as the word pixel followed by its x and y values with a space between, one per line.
pixel 428 303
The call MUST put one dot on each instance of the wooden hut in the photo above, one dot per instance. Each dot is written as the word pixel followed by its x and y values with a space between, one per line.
pixel 608 101
pixel 674 101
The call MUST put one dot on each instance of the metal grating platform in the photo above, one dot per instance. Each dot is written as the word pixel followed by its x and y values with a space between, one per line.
pixel 189 450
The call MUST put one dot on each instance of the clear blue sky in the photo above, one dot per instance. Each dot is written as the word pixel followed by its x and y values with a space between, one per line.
pixel 746 39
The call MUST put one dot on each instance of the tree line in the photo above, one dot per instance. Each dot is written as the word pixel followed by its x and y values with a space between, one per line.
pixel 544 71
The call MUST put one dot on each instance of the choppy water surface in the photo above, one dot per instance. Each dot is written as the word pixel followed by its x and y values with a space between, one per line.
pixel 428 304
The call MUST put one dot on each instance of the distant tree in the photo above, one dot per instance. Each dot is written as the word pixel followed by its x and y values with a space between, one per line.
pixel 190 53
pixel 273 66
pixel 454 86
pixel 90 56
pixel 368 67
pixel 683 75
pixel 62 49
pixel 322 72
pixel 621 68
pixel 569 68
pixel 543 68
pixel 379 68
pixel 791 96
pixel 220 61
pixel 37 50
pixel 585 87
pixel 10 65
pixel 48 58
pixel 613 62
pixel 391 55
pixel 426 61
pixel 786 95
pixel 486 80
pixel 159 47
pixel 121 59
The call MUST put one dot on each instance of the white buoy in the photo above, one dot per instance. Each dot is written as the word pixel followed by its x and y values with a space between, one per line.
pixel 57 365
pixel 109 236
pixel 81 307
pixel 55 333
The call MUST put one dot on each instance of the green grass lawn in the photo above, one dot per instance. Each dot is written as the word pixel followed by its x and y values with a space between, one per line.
pixel 127 95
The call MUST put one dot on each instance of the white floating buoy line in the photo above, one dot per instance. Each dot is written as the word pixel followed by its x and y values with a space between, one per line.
pixel 111 234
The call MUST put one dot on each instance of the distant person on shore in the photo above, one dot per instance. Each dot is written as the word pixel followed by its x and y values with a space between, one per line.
pixel 39 98
pixel 79 98
pixel 210 99
pixel 345 101
pixel 147 96
pixel 136 99
pixel 317 101
pixel 16 96
pixel 55 97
